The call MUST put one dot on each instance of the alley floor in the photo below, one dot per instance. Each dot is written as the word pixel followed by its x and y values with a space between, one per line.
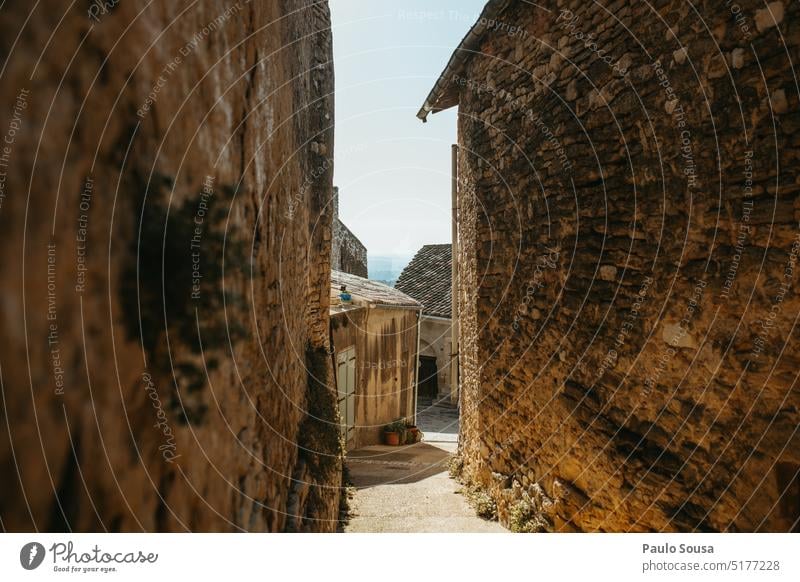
pixel 408 489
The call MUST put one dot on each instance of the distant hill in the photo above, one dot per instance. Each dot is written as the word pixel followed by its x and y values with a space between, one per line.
pixel 387 269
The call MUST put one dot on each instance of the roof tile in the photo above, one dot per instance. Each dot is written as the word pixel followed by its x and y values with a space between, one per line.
pixel 370 291
pixel 427 279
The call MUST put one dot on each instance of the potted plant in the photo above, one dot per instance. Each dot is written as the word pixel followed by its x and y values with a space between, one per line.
pixel 413 434
pixel 395 433
pixel 391 436
pixel 344 296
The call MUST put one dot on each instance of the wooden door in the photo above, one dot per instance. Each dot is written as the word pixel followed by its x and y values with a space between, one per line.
pixel 346 387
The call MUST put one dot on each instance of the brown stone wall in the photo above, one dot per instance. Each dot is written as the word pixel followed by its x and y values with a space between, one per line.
pixel 348 254
pixel 629 240
pixel 165 267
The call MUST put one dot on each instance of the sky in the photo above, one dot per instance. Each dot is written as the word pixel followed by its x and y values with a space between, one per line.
pixel 392 170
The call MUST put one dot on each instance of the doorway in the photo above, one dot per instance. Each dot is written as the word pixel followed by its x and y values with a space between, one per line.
pixel 428 386
pixel 346 388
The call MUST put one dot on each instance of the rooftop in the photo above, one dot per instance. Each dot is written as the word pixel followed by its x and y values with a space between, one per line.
pixel 427 278
pixel 370 291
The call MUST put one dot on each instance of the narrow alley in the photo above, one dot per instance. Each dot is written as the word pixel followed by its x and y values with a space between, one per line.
pixel 408 489
pixel 361 266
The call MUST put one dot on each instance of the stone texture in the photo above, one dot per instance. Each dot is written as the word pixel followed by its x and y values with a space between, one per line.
pixel 649 219
pixel 770 16
pixel 135 124
pixel 348 254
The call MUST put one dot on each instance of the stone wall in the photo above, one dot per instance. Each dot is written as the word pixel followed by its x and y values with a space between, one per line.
pixel 628 219
pixel 165 267
pixel 348 254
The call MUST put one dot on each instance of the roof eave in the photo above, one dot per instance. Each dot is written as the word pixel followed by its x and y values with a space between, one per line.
pixel 396 306
pixel 444 94
pixel 438 317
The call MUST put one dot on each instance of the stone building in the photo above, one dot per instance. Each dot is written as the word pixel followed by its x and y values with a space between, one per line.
pixel 628 239
pixel 145 140
pixel 348 254
pixel 427 278
pixel 375 337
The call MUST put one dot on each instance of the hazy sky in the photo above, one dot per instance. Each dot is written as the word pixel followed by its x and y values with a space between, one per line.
pixel 392 170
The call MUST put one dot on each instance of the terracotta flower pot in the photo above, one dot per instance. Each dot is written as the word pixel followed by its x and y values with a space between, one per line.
pixel 413 435
pixel 391 438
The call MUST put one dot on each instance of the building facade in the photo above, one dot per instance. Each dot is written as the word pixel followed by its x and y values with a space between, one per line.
pixel 374 342
pixel 427 278
pixel 627 235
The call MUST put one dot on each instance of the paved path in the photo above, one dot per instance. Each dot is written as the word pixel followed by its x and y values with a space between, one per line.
pixel 408 489
pixel 438 420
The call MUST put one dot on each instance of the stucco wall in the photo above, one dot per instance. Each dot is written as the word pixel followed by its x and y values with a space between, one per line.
pixel 628 228
pixel 133 126
pixel 386 342
pixel 435 333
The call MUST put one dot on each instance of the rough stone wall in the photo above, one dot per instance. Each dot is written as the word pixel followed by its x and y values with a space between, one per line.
pixel 629 241
pixel 165 263
pixel 348 254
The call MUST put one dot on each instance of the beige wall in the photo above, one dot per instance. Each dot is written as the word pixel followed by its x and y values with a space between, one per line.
pixel 435 340
pixel 385 340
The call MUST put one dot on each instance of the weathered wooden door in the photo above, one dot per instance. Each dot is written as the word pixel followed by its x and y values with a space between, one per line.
pixel 346 386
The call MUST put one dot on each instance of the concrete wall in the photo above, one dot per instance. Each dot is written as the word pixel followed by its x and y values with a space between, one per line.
pixel 130 127
pixel 435 333
pixel 629 236
pixel 386 342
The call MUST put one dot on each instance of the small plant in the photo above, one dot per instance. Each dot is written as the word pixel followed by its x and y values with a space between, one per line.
pixel 482 503
pixel 522 518
pixel 345 296
pixel 455 466
pixel 397 426
pixel 394 433
pixel 413 434
pixel 346 496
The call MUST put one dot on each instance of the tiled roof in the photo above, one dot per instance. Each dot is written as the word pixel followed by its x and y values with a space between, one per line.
pixel 427 279
pixel 370 291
